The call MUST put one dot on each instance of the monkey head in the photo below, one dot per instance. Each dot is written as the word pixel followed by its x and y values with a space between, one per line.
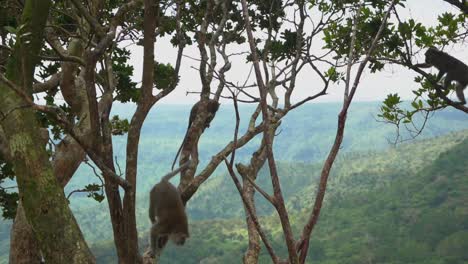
pixel 431 55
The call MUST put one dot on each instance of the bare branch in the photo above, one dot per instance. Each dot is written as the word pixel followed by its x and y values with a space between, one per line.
pixel 89 18
pixel 303 243
pixel 262 192
pixel 53 82
pixel 254 218
pixel 267 137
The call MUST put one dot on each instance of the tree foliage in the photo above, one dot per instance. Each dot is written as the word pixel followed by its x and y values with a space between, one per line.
pixel 64 74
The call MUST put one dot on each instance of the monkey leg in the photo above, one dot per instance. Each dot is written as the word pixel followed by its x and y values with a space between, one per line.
pixel 162 241
pixel 155 238
pixel 448 81
pixel 460 94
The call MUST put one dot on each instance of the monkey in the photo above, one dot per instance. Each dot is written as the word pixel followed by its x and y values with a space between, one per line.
pixel 455 69
pixel 167 214
pixel 212 107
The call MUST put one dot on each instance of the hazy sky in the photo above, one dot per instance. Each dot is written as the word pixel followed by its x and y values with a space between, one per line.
pixel 372 86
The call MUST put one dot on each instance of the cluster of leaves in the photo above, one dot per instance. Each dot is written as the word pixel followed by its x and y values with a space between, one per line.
pixel 286 47
pixel 267 14
pixel 119 126
pixel 95 191
pixel 400 42
pixel 165 76
pixel 337 34
pixel 126 88
pixel 9 14
pixel 333 75
pixel 62 18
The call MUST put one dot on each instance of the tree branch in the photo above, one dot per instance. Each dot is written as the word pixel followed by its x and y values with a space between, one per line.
pixel 303 243
pixel 57 114
pixel 281 208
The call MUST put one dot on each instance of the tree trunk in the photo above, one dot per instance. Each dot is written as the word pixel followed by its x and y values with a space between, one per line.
pixel 251 171
pixel 24 248
pixel 44 202
pixel 41 196
pixel 253 250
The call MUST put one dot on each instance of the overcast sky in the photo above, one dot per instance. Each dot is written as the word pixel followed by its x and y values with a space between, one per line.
pixel 372 86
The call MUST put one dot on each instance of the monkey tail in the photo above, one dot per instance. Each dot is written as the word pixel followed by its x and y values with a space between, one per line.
pixel 181 145
pixel 171 174
pixel 178 152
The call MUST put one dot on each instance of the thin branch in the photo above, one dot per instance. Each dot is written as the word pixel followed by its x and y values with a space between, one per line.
pixel 261 191
pixel 89 18
pixel 462 5
pixel 62 57
pixel 58 114
pixel 303 243
pixel 53 82
pixel 281 208
pixel 254 218
pixel 437 87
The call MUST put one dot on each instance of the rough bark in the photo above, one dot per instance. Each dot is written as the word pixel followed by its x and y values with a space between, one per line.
pixel 267 137
pixel 145 102
pixel 42 197
pixel 46 207
pixel 24 248
pixel 253 249
pixel 190 147
pixel 66 159
pixel 251 171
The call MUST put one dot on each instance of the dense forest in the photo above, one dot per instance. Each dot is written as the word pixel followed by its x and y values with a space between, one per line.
pixel 237 128
pixel 406 205
pixel 381 199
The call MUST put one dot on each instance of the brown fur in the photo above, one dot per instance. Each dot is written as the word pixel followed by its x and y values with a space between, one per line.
pixel 212 107
pixel 167 214
pixel 454 68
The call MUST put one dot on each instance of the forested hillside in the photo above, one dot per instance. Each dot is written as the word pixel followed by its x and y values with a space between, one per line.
pixel 360 171
pixel 403 205
pixel 304 137
pixel 350 115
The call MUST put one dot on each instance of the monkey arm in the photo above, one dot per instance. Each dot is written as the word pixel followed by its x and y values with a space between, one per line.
pixel 423 65
pixel 448 80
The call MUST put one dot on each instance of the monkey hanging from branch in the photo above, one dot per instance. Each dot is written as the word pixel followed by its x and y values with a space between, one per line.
pixel 208 109
pixel 455 69
pixel 167 214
